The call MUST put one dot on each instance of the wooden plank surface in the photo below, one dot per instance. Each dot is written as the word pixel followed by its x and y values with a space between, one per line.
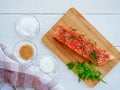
pixel 73 18
pixel 59 6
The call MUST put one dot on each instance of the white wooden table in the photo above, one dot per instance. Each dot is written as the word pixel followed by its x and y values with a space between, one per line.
pixel 103 14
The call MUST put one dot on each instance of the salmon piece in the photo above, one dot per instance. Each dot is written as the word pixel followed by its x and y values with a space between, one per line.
pixel 81 45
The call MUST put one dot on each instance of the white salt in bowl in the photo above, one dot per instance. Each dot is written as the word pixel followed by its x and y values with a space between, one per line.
pixel 27 26
pixel 48 65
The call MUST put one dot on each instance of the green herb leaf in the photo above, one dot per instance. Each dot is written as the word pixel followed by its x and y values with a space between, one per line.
pixel 64 30
pixel 103 81
pixel 72 36
pixel 82 34
pixel 85 71
pixel 73 28
pixel 93 55
pixel 70 65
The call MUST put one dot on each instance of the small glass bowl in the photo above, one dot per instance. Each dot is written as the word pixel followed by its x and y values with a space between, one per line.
pixel 16 50
pixel 27 26
pixel 50 72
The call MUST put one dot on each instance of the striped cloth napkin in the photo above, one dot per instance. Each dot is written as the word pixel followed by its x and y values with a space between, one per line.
pixel 18 75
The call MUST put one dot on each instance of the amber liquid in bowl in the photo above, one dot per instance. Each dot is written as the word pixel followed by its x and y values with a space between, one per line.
pixel 26 52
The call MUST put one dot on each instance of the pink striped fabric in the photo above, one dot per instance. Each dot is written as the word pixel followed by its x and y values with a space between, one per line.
pixel 16 74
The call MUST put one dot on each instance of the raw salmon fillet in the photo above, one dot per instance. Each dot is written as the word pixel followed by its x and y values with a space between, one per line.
pixel 81 45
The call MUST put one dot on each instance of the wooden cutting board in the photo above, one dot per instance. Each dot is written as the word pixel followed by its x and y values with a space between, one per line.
pixel 73 18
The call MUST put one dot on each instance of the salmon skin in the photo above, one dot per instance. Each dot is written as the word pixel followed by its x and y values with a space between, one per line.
pixel 81 45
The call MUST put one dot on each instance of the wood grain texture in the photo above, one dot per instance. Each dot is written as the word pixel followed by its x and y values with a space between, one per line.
pixel 54 6
pixel 73 18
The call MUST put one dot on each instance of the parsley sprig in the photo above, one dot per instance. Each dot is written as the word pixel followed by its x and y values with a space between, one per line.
pixel 85 71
